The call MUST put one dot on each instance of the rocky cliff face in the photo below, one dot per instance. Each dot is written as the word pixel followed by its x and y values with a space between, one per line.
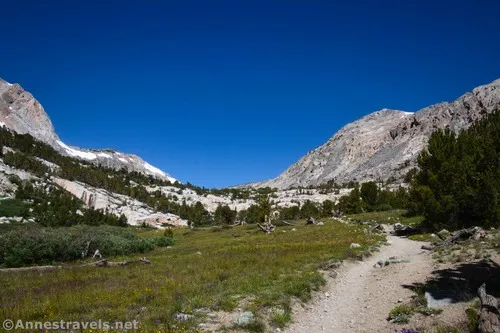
pixel 386 143
pixel 21 112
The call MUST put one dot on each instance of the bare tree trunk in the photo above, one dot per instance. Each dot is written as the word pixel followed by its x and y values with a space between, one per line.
pixel 106 263
pixel 288 223
pixel 86 251
pixel 488 317
pixel 100 263
pixel 267 227
pixel 457 237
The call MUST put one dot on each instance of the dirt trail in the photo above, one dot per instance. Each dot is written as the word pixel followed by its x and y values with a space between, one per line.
pixel 360 298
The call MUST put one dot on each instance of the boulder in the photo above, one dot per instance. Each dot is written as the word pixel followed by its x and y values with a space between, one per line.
pixel 244 318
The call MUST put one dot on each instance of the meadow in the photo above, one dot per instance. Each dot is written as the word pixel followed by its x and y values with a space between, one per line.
pixel 208 271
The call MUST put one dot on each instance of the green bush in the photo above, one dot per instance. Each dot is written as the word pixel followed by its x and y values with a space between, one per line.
pixel 162 241
pixel 32 244
pixel 13 207
pixel 401 314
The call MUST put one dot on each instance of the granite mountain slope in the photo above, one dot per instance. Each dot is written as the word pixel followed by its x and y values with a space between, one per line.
pixel 21 112
pixel 385 144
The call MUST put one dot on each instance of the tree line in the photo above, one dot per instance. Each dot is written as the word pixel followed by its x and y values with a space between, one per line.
pixel 457 183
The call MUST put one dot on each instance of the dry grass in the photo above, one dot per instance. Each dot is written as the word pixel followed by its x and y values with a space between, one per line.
pixel 268 269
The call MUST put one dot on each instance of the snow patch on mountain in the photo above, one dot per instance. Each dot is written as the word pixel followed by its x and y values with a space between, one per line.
pixel 77 153
pixel 159 172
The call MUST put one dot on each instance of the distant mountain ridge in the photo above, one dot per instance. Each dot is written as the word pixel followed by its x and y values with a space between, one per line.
pixel 22 113
pixel 384 144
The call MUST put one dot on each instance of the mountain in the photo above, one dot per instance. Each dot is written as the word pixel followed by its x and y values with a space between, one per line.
pixel 51 183
pixel 385 144
pixel 22 113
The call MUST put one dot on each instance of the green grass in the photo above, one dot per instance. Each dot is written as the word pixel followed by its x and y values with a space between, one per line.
pixel 401 314
pixel 388 217
pixel 424 238
pixel 261 271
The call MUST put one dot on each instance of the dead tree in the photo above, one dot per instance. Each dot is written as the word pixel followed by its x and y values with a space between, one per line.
pixel 377 226
pixel 106 263
pixel 489 321
pixel 85 252
pixel 458 237
pixel 98 254
pixel 267 227
pixel 337 214
pixel 240 222
pixel 310 220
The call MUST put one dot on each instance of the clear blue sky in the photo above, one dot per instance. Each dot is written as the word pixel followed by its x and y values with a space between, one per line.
pixel 227 92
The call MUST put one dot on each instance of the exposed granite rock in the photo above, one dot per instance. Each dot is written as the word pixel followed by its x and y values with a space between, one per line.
pixel 386 143
pixel 22 113
pixel 136 212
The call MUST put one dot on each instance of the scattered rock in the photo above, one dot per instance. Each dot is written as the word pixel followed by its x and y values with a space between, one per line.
pixel 182 316
pixel 244 318
pixel 354 246
pixel 320 223
pixel 438 302
pixel 331 264
pixel 311 220
pixel 199 253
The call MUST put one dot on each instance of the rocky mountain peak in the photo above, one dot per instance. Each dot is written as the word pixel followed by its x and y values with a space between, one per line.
pixel 385 144
pixel 22 113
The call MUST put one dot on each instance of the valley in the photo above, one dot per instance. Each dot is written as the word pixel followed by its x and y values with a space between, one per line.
pixel 333 244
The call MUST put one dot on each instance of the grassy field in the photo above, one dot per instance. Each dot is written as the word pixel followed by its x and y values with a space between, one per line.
pixel 388 217
pixel 207 270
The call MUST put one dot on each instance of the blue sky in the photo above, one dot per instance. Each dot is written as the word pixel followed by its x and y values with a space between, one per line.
pixel 227 92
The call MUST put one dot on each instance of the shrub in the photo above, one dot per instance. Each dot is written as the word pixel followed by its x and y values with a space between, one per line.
pixel 13 207
pixel 168 233
pixel 32 244
pixel 162 241
pixel 472 319
pixel 400 314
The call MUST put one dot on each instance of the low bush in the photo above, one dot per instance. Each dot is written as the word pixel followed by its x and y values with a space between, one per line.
pixel 13 207
pixel 401 314
pixel 32 244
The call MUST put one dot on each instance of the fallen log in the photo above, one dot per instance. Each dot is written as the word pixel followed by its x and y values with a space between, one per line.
pixel 489 321
pixel 458 237
pixel 32 268
pixel 106 263
pixel 99 263
pixel 288 223
pixel 267 227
